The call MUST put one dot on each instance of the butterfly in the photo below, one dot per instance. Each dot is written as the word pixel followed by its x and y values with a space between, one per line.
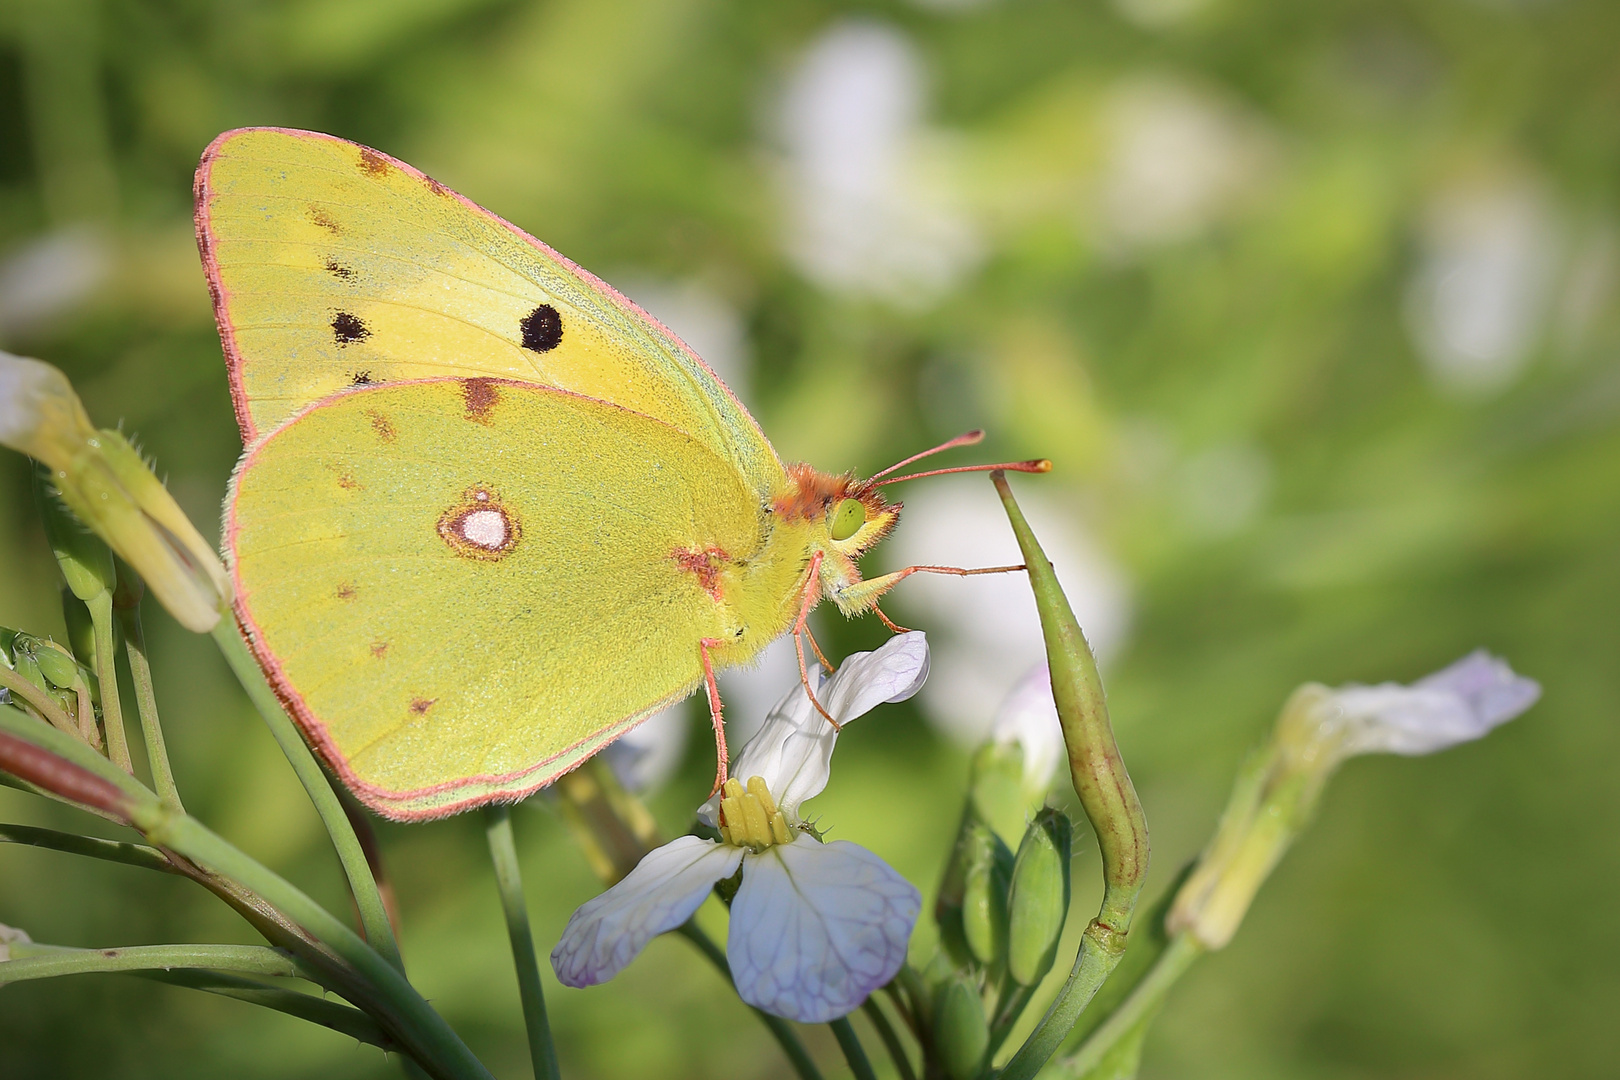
pixel 490 514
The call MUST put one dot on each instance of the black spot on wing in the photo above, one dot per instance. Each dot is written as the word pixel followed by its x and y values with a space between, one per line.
pixel 542 329
pixel 348 329
pixel 339 271
pixel 362 378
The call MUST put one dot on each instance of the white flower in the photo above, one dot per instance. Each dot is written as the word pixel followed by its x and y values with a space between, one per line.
pixel 815 927
pixel 1028 718
pixel 1454 705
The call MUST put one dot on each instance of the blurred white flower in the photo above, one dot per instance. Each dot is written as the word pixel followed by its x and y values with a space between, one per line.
pixel 1456 704
pixel 1029 719
pixel 50 276
pixel 1157 14
pixel 1176 160
pixel 645 757
pixel 867 211
pixel 1477 303
pixel 815 927
pixel 986 630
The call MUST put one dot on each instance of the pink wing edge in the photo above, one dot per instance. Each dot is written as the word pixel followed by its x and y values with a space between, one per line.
pixel 404 805
pixel 233 356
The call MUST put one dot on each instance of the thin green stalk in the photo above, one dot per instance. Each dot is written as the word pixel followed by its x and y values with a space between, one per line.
pixel 785 1038
pixel 891 1039
pixel 140 673
pixel 148 858
pixel 854 1052
pixel 1138 1008
pixel 112 716
pixel 277 907
pixel 362 885
pixel 384 988
pixel 30 961
pixel 329 1014
pixel 1100 952
pixel 508 878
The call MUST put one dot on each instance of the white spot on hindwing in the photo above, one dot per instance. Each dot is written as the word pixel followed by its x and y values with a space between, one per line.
pixel 486 528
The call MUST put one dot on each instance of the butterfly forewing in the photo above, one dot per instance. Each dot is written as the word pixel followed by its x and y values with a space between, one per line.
pixel 334 266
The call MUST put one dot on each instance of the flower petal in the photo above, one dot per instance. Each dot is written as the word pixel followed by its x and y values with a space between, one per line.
pixel 1029 718
pixel 817 927
pixel 1456 704
pixel 662 891
pixel 791 751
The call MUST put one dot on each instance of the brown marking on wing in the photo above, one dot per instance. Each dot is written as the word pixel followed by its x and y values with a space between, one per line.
pixel 339 271
pixel 348 483
pixel 420 706
pixel 379 649
pixel 372 162
pixel 453 524
pixel 324 220
pixel 346 591
pixel 481 397
pixel 704 565
pixel 381 425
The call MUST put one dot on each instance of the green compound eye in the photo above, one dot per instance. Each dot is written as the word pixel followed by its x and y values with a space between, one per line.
pixel 848 519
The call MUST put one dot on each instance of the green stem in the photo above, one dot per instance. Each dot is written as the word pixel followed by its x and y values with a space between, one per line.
pixel 112 716
pixel 330 1014
pixel 362 885
pixel 384 988
pixel 1100 952
pixel 503 853
pixel 112 850
pixel 854 1052
pixel 785 1038
pixel 1138 1008
pixel 29 961
pixel 891 1039
pixel 140 673
pixel 275 906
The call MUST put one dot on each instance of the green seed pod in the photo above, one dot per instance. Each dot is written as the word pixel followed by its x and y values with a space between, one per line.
pixel 84 558
pixel 984 897
pixel 961 1033
pixel 1039 901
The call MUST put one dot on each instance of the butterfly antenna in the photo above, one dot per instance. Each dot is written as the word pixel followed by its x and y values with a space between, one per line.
pixel 969 438
pixel 1037 466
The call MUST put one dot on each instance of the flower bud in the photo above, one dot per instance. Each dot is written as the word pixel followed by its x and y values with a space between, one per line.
pixel 984 897
pixel 56 664
pixel 971 907
pixel 105 483
pixel 85 560
pixel 1280 785
pixel 961 1033
pixel 1039 901
pixel 9 936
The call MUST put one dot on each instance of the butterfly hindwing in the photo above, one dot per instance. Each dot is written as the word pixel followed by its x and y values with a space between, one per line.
pixel 462 588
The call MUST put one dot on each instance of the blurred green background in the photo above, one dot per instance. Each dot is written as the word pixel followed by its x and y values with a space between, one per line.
pixel 1312 305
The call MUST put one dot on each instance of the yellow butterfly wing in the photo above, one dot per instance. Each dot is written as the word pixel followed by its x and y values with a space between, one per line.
pixel 332 265
pixel 463 588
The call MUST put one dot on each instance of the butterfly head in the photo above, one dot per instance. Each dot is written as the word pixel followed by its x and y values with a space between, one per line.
pixel 853 513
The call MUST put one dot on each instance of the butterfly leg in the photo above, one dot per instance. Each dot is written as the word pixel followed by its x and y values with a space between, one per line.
pixel 801 631
pixel 890 623
pixel 720 754
pixel 864 594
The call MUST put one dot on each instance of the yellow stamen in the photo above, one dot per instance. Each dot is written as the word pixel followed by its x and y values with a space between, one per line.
pixel 750 818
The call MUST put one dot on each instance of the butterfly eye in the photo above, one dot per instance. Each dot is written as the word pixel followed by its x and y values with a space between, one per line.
pixel 848 519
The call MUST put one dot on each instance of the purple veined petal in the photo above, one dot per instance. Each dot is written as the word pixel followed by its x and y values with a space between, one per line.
pixel 1456 704
pixel 815 928
pixel 662 892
